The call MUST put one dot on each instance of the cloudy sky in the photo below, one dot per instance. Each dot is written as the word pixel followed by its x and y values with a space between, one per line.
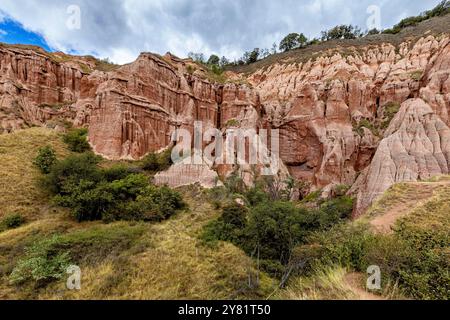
pixel 121 29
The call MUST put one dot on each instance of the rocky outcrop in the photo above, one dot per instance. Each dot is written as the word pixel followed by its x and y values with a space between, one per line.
pixel 188 174
pixel 34 86
pixel 332 110
pixel 416 147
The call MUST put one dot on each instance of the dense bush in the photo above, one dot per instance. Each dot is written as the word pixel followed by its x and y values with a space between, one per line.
pixel 293 41
pixel 11 222
pixel 155 162
pixel 116 193
pixel 341 32
pixel 416 260
pixel 441 9
pixel 274 228
pixel 76 140
pixel 45 159
pixel 41 263
pixel 229 227
pixel 46 260
pixel 68 173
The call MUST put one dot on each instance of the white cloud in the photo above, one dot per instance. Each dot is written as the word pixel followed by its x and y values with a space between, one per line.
pixel 3 33
pixel 121 29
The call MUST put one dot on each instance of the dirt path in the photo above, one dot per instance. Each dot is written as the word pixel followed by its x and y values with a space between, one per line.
pixel 354 282
pixel 401 208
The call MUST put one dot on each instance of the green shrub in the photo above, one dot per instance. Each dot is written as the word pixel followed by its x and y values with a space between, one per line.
pixel 150 204
pixel 335 210
pixel 154 162
pixel 229 227
pixel 365 123
pixel 76 140
pixel 41 264
pixel 47 259
pixel 110 194
pixel 235 184
pixel 389 112
pixel 68 173
pixel 235 215
pixel 11 222
pixel 416 260
pixel 275 228
pixel 45 159
pixel 119 172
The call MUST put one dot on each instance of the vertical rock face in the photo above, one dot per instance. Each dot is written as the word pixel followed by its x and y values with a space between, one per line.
pixel 34 86
pixel 416 147
pixel 333 111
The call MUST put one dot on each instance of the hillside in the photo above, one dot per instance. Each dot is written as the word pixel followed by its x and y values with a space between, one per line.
pixel 434 26
pixel 119 260
pixel 168 260
pixel 362 179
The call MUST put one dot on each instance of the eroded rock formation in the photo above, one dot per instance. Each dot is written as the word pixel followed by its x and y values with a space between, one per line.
pixel 416 147
pixel 338 113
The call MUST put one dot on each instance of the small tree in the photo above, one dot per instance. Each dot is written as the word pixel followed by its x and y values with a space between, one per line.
pixel 45 159
pixel 213 60
pixel 224 62
pixel 293 41
pixel 341 32
pixel 76 140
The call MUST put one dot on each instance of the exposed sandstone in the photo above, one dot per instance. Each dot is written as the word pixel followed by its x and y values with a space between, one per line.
pixel 329 110
pixel 416 147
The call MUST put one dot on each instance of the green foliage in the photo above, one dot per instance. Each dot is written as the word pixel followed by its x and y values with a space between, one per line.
pixel 116 193
pixel 274 228
pixel 341 32
pixel 47 259
pixel 373 32
pixel 41 263
pixel 293 41
pixel 71 171
pixel 229 227
pixel 416 75
pixel 11 221
pixel 213 60
pixel 45 159
pixel 154 162
pixel 235 215
pixel 235 184
pixel 151 204
pixel 441 9
pixel 119 172
pixel 365 123
pixel 389 112
pixel 232 123
pixel 415 259
pixel 76 140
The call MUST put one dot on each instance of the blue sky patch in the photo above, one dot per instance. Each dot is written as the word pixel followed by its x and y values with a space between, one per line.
pixel 13 32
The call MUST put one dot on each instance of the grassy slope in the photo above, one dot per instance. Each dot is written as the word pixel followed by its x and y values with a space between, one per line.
pixel 425 209
pixel 434 26
pixel 166 260
pixel 120 260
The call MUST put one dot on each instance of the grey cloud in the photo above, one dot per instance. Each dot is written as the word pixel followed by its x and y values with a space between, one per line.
pixel 122 29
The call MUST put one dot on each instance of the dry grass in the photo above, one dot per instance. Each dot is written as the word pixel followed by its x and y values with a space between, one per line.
pixel 19 192
pixel 175 266
pixel 327 284
pixel 167 261
pixel 435 26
